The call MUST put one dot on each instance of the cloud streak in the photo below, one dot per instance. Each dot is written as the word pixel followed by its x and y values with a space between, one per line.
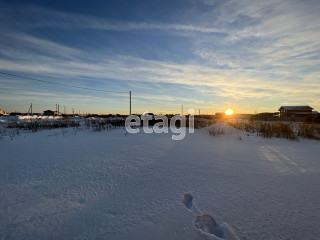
pixel 254 53
pixel 234 84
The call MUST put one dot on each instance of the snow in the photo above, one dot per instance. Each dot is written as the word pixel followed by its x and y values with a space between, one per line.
pixel 78 184
pixel 223 126
pixel 20 118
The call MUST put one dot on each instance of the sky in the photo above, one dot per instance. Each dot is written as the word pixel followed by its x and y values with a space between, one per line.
pixel 251 56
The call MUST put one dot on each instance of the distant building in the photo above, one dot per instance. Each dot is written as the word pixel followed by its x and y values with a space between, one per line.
pixel 315 112
pixel 295 111
pixel 2 112
pixel 48 113
pixel 15 113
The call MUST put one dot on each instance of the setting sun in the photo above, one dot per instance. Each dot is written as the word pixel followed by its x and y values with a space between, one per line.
pixel 229 112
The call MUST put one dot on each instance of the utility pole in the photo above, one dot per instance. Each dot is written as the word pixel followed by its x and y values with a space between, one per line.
pixel 199 112
pixel 182 109
pixel 30 110
pixel 130 101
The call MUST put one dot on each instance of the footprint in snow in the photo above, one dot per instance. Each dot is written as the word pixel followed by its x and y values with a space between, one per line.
pixel 187 200
pixel 206 223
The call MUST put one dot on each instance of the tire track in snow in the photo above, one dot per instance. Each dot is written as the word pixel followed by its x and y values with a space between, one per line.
pixel 277 163
pixel 293 163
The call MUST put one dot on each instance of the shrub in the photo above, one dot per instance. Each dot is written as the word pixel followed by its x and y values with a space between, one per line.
pixel 214 131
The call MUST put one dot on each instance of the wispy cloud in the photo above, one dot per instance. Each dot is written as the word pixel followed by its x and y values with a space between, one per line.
pixel 266 51
pixel 57 19
pixel 234 84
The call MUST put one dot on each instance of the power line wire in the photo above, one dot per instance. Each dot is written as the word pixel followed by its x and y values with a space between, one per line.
pixel 147 99
pixel 159 101
pixel 155 101
pixel 61 84
pixel 80 87
pixel 20 105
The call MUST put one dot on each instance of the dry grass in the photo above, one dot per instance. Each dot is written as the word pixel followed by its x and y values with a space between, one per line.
pixel 289 130
pixel 201 122
pixel 216 131
pixel 98 125
pixel 309 130
pixel 37 125
pixel 92 124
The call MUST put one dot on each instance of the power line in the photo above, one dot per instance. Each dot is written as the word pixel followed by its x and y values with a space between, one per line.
pixel 147 99
pixel 159 101
pixel 155 101
pixel 80 87
pixel 20 105
pixel 61 84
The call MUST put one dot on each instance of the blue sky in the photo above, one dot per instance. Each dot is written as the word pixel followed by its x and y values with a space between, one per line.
pixel 252 56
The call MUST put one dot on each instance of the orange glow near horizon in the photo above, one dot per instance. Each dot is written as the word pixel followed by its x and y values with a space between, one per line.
pixel 228 112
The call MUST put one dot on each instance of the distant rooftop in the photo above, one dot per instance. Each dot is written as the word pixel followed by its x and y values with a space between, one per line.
pixel 296 108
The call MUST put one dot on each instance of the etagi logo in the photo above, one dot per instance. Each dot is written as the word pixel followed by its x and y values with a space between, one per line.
pixel 161 124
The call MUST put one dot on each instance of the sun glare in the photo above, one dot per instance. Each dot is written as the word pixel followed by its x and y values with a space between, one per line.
pixel 229 112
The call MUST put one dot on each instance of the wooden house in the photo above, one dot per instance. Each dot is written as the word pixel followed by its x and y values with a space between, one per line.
pixel 295 111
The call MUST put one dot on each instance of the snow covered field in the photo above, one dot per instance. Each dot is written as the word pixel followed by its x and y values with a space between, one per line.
pixel 67 184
